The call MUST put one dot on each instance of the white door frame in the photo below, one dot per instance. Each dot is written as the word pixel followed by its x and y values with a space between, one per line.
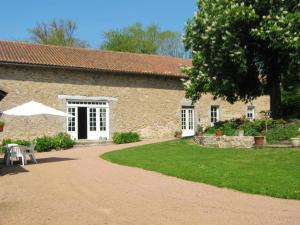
pixel 188 121
pixel 96 106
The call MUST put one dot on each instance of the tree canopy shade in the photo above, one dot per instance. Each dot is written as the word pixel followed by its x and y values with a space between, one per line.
pixel 149 40
pixel 243 49
pixel 57 33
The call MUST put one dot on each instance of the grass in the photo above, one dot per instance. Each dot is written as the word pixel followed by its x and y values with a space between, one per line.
pixel 272 172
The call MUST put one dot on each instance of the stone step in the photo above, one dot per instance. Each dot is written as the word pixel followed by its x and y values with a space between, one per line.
pixel 91 142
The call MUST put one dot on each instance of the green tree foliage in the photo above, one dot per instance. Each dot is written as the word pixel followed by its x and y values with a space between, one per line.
pixel 57 33
pixel 243 49
pixel 149 40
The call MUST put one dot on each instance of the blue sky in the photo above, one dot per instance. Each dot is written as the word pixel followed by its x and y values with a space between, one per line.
pixel 93 17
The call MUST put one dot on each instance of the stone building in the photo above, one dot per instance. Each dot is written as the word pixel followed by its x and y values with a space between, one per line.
pixel 106 92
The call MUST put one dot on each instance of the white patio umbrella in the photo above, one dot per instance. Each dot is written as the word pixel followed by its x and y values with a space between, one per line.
pixel 33 108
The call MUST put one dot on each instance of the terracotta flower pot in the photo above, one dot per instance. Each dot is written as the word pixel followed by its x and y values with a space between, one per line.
pixel 219 133
pixel 259 141
pixel 178 135
pixel 199 133
pixel 1 128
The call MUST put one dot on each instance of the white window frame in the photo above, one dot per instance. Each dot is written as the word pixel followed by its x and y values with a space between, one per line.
pixel 250 110
pixel 86 103
pixel 214 109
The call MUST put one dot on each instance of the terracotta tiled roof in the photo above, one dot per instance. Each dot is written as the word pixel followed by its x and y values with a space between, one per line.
pixel 89 59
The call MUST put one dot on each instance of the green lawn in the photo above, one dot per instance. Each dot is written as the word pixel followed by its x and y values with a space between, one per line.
pixel 273 172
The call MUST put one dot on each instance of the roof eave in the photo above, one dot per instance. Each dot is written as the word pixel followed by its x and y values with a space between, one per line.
pixel 179 76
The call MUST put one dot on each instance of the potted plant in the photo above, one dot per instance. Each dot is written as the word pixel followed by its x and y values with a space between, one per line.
pixel 178 134
pixel 199 131
pixel 259 141
pixel 1 125
pixel 219 133
pixel 296 141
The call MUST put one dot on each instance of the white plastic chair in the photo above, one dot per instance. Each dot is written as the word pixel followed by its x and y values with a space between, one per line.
pixel 30 153
pixel 15 152
pixel 7 153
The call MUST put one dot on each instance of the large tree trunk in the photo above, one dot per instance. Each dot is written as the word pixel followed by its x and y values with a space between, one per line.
pixel 275 92
pixel 275 100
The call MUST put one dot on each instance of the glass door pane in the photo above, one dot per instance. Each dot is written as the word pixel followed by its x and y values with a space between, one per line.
pixel 92 119
pixel 102 118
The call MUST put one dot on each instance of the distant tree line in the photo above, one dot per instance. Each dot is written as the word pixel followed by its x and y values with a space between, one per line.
pixel 59 32
pixel 134 38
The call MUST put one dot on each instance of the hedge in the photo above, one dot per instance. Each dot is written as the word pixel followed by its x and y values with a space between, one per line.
pixel 125 137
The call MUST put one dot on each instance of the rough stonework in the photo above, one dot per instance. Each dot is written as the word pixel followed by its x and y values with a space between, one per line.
pixel 225 141
pixel 149 105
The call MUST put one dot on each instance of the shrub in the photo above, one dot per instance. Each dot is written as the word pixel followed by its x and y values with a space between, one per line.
pixel 58 141
pixel 229 129
pixel 62 141
pixel 282 133
pixel 19 142
pixel 200 128
pixel 278 130
pixel 44 144
pixel 10 141
pixel 211 130
pixel 125 137
pixel 251 131
pixel 2 123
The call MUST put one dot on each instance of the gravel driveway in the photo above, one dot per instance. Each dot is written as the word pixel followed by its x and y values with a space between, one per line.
pixel 77 187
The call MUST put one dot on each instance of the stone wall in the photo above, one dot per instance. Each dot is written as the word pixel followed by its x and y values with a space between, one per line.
pixel 149 105
pixel 225 141
pixel 228 111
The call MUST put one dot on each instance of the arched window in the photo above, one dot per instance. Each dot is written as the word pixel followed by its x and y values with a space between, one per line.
pixel 2 94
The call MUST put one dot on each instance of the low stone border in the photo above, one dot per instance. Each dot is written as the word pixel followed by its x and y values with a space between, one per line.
pixel 225 141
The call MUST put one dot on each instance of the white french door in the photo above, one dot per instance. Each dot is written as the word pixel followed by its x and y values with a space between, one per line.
pixel 103 122
pixel 92 131
pixel 187 122
pixel 90 121
pixel 97 121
